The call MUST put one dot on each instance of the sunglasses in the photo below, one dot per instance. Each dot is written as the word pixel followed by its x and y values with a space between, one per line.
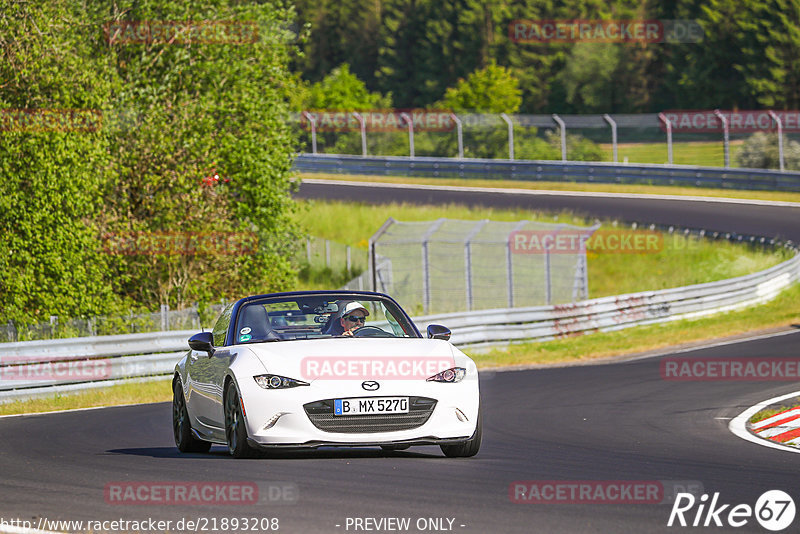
pixel 355 318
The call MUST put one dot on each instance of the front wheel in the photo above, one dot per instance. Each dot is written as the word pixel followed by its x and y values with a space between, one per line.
pixel 466 448
pixel 181 427
pixel 235 427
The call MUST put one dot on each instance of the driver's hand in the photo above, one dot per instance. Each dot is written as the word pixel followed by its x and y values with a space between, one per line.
pixel 348 333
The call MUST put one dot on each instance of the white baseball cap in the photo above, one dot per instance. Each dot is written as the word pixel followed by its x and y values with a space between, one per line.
pixel 352 306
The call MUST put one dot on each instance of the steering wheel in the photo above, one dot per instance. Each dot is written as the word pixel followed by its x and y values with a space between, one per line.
pixel 371 331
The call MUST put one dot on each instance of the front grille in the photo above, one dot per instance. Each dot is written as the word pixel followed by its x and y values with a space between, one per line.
pixel 321 415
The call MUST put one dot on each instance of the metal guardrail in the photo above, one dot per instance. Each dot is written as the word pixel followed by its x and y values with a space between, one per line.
pixel 569 171
pixel 542 323
pixel 30 369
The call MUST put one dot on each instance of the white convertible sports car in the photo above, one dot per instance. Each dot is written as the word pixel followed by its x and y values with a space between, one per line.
pixel 324 368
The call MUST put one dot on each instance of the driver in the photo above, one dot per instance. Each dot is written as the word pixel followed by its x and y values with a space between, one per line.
pixel 352 316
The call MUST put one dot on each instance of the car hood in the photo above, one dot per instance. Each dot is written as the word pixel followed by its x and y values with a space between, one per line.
pixel 359 358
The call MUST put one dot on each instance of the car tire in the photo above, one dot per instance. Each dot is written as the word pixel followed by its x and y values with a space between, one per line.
pixel 235 427
pixel 466 448
pixel 182 426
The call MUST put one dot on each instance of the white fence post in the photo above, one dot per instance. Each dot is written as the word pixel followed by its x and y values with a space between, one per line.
pixel 725 136
pixel 460 134
pixel 613 124
pixel 780 137
pixel 468 259
pixel 510 135
pixel 410 123
pixel 668 124
pixel 360 120
pixel 313 122
pixel 563 128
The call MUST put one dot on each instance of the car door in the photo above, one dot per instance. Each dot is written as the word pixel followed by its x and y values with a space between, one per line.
pixel 204 373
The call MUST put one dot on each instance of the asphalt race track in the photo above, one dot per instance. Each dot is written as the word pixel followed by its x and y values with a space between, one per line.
pixel 609 422
pixel 762 220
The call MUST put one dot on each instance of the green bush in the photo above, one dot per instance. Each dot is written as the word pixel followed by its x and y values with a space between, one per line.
pixel 173 115
pixel 760 151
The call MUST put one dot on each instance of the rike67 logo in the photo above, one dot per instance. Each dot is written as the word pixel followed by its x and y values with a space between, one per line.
pixel 774 510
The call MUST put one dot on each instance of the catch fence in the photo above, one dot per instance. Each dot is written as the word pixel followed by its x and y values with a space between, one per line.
pixel 451 265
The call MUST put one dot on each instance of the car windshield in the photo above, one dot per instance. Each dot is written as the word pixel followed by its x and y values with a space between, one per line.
pixel 320 316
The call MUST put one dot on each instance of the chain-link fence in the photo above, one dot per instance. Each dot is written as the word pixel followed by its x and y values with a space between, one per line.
pixel 452 265
pixel 192 318
pixel 688 137
pixel 323 253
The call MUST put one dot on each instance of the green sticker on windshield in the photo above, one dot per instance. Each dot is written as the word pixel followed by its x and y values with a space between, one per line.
pixel 245 337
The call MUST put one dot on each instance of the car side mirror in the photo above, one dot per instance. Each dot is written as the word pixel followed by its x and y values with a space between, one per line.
pixel 437 331
pixel 202 342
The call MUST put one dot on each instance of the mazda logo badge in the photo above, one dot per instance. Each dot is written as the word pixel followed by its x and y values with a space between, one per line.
pixel 370 385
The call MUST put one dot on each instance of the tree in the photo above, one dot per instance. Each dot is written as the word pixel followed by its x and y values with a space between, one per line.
pixel 343 90
pixel 172 114
pixel 490 90
pixel 193 110
pixel 53 177
pixel 342 31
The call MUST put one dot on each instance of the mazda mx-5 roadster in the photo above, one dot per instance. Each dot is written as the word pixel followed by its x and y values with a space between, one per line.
pixel 324 368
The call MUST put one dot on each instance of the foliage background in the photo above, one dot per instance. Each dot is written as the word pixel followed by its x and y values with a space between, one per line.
pixel 173 115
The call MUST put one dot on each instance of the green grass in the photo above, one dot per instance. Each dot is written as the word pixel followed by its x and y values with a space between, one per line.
pixel 565 186
pixel 700 153
pixel 681 262
pixel 128 393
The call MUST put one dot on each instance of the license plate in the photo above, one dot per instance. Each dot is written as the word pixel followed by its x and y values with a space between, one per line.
pixel 370 405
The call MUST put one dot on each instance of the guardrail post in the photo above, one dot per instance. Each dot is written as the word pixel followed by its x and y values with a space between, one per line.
pixel 510 135
pixel 410 123
pixel 780 136
pixel 613 124
pixel 563 128
pixel 313 122
pixel 460 134
pixel 361 122
pixel 725 136
pixel 668 125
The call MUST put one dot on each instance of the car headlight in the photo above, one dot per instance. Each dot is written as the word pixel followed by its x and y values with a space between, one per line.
pixel 454 374
pixel 278 382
